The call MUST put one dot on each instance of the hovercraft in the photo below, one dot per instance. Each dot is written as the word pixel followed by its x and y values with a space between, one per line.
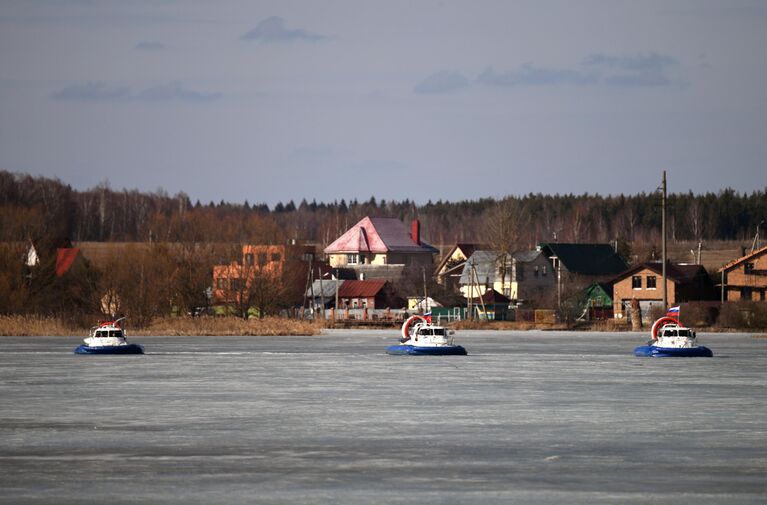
pixel 421 338
pixel 672 340
pixel 108 338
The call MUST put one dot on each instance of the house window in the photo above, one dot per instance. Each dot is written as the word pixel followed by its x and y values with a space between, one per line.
pixel 351 259
pixel 221 283
pixel 261 259
pixel 365 303
pixel 507 291
pixel 745 293
pixel 275 256
pixel 636 282
pixel 650 282
pixel 535 271
pixel 249 258
pixel 354 304
pixel 748 268
pixel 545 270
pixel 236 284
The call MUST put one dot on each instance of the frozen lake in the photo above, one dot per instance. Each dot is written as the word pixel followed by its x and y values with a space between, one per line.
pixel 527 417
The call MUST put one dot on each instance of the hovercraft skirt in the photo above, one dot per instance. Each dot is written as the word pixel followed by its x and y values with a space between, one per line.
pixel 110 349
pixel 412 350
pixel 673 352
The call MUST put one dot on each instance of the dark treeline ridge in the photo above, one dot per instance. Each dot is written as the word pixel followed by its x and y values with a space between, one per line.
pixel 37 208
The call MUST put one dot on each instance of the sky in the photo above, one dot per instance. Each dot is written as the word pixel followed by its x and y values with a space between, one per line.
pixel 270 101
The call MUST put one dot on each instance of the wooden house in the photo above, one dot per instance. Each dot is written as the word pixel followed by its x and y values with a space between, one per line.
pixel 492 305
pixel 746 277
pixel 370 294
pixel 598 302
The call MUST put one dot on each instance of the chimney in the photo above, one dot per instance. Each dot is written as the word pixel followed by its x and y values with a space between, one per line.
pixel 415 231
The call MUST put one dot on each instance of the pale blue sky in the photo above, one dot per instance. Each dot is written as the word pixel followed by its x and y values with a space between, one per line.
pixel 277 100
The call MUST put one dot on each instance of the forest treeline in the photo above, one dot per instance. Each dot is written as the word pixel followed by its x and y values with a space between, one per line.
pixel 37 208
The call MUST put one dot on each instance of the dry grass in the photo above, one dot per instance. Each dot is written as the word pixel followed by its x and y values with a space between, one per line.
pixel 229 326
pixel 27 326
pixel 504 325
pixel 173 326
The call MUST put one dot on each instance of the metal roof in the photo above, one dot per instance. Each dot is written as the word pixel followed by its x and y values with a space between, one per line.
pixel 378 235
pixel 328 288
pixel 586 259
pixel 360 289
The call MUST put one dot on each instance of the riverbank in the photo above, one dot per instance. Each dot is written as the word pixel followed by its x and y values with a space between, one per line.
pixel 23 326
pixel 30 326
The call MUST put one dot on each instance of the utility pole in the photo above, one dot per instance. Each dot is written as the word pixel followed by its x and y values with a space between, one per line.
pixel 663 240
pixel 336 307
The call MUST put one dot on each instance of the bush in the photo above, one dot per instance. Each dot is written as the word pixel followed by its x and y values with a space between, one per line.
pixel 745 314
pixel 699 314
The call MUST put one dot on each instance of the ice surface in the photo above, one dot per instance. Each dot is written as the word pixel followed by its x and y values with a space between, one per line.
pixel 527 417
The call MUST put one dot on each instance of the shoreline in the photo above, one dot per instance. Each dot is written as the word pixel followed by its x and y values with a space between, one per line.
pixel 36 326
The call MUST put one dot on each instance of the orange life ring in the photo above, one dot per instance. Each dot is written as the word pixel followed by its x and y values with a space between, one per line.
pixel 406 325
pixel 657 325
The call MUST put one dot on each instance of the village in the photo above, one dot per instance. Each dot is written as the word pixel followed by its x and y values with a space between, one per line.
pixel 380 271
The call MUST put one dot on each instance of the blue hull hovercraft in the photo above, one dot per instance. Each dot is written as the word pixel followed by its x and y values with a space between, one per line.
pixel 421 338
pixel 108 338
pixel 672 340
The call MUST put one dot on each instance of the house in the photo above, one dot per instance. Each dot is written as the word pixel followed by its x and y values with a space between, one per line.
pixel 584 262
pixel 598 302
pixel 450 268
pixel 644 283
pixel 520 276
pixel 379 247
pixel 371 294
pixel 746 277
pixel 269 263
pixel 322 293
pixel 491 305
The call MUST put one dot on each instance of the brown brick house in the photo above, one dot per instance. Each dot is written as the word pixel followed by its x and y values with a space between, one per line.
pixel 746 277
pixel 270 262
pixel 644 283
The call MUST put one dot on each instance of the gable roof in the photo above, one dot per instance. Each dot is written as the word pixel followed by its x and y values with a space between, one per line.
pixel 486 263
pixel 360 289
pixel 492 297
pixel 586 259
pixel 378 235
pixel 325 288
pixel 743 259
pixel 681 273
pixel 605 287
pixel 466 249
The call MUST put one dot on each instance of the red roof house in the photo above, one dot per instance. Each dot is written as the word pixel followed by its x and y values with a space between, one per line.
pixel 380 241
pixel 373 294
